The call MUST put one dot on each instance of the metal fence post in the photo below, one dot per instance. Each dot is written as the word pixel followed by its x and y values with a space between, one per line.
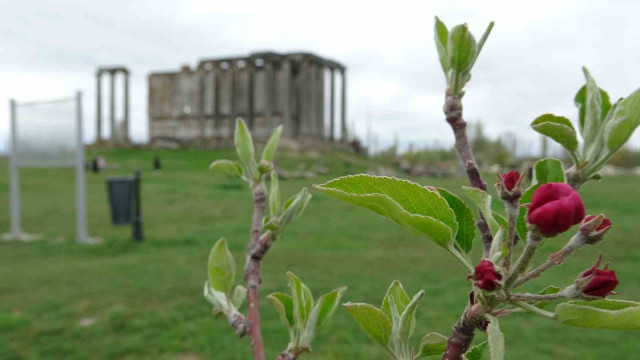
pixel 137 232
pixel 81 187
pixel 15 230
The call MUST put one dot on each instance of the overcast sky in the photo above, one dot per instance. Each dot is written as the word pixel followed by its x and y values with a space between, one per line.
pixel 529 66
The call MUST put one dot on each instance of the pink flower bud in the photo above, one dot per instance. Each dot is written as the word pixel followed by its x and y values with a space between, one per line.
pixel 510 179
pixel 600 282
pixel 510 187
pixel 594 228
pixel 486 276
pixel 554 208
pixel 605 224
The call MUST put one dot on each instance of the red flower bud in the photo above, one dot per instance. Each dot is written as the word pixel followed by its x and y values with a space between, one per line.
pixel 510 179
pixel 554 208
pixel 601 282
pixel 486 276
pixel 606 223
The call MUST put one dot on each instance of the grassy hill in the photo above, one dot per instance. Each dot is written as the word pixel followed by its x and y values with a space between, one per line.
pixel 123 300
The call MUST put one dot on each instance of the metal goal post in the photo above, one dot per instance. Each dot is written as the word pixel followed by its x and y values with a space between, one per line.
pixel 46 134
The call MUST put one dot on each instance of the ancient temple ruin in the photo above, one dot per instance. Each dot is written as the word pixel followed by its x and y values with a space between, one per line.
pixel 266 89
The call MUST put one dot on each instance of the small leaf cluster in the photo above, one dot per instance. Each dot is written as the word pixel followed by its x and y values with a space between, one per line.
pixel 281 214
pixel 219 290
pixel 458 52
pixel 392 325
pixel 301 314
pixel 604 128
pixel 247 168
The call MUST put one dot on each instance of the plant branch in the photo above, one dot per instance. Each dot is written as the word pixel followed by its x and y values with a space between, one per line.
pixel 554 259
pixel 534 309
pixel 238 322
pixel 512 214
pixel 533 241
pixel 252 273
pixel 526 297
pixel 289 355
pixel 462 332
pixel 461 337
pixel 453 113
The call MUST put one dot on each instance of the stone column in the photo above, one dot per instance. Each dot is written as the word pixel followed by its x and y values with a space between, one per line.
pixel 99 105
pixel 112 105
pixel 332 118
pixel 201 76
pixel 268 93
pixel 251 68
pixel 216 98
pixel 232 112
pixel 125 134
pixel 343 105
pixel 289 127
pixel 319 109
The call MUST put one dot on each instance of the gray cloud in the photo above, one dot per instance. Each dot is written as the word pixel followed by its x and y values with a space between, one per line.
pixel 530 65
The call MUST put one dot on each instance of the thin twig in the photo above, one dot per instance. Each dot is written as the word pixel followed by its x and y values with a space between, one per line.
pixel 461 337
pixel 252 273
pixel 512 214
pixel 453 113
pixel 554 259
pixel 533 241
pixel 462 332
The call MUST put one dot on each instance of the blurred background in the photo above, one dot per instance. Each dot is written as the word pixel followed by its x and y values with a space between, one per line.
pixel 170 78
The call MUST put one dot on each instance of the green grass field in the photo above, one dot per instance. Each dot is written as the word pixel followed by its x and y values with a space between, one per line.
pixel 147 300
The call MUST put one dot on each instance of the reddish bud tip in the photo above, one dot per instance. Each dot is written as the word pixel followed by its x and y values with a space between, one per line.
pixel 554 208
pixel 606 223
pixel 602 281
pixel 486 276
pixel 510 179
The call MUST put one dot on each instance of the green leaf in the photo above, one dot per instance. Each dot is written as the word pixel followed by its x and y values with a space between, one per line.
pixel 497 243
pixel 222 268
pixel 558 128
pixel 496 339
pixel 373 322
pixel 327 305
pixel 284 306
pixel 270 149
pixel 600 314
pixel 484 37
pixel 548 170
pixel 400 298
pixel 423 211
pixel 320 315
pixel 441 34
pixel 580 101
pixel 231 168
pixel 483 201
pixel 302 300
pixel 432 344
pixel 244 148
pixel 477 352
pixel 294 207
pixel 593 120
pixel 408 318
pixel 275 204
pixel 549 290
pixel 464 217
pixel 461 49
pixel 624 121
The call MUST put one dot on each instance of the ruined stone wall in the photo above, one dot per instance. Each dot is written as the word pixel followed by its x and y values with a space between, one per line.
pixel 202 103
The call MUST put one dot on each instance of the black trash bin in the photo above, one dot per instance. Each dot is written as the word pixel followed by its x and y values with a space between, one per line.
pixel 120 198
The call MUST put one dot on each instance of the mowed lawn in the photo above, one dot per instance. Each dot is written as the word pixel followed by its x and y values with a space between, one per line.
pixel 123 300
